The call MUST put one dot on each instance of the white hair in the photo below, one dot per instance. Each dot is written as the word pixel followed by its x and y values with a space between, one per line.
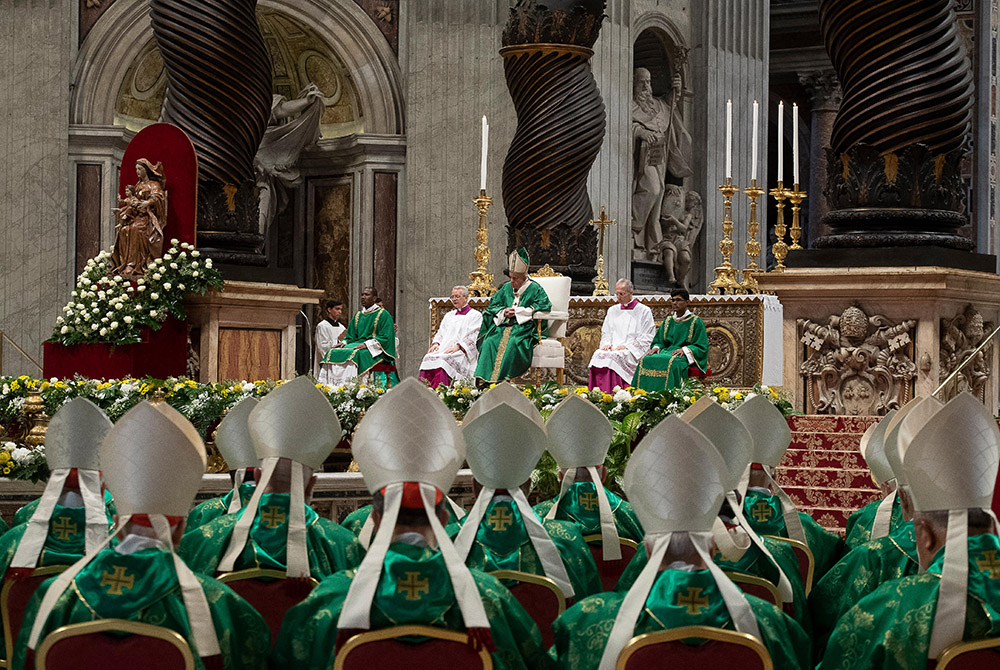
pixel 463 289
pixel 628 284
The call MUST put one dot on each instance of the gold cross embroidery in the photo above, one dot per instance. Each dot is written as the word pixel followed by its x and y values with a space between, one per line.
pixel 692 601
pixel 62 528
pixel 117 580
pixel 272 516
pixel 500 519
pixel 989 563
pixel 413 586
pixel 589 501
pixel 761 512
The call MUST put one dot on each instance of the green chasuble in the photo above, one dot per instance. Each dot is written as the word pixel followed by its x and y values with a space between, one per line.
pixel 213 508
pixel 505 350
pixel 502 543
pixel 414 589
pixel 356 520
pixel 144 588
pixel 331 548
pixel 859 524
pixel 23 515
pixel 3 527
pixel 678 598
pixel 763 511
pixel 374 325
pixel 891 627
pixel 580 505
pixel 663 370
pixel 859 573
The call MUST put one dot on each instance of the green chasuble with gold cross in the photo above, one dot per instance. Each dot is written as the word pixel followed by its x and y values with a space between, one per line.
pixel 678 598
pixel 502 543
pixel 580 506
pixel 330 546
pixel 669 367
pixel 859 524
pixel 213 508
pixel 24 514
pixel 414 589
pixel 858 574
pixel 505 349
pixel 356 520
pixel 375 325
pixel 143 587
pixel 891 627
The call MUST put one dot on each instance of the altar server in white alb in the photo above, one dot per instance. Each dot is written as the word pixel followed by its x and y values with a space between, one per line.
pixel 453 353
pixel 329 332
pixel 627 332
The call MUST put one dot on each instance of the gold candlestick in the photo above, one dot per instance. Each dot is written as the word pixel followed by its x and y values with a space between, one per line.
pixel 796 197
pixel 600 282
pixel 749 283
pixel 725 274
pixel 779 248
pixel 482 280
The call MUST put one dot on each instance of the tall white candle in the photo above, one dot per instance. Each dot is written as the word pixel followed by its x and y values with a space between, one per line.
pixel 729 139
pixel 753 144
pixel 795 143
pixel 781 141
pixel 486 143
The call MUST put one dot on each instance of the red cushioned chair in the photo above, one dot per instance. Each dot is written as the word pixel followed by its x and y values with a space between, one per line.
pixel 975 655
pixel 716 648
pixel 756 586
pixel 269 592
pixel 610 571
pixel 807 563
pixel 427 649
pixel 14 597
pixel 115 644
pixel 388 369
pixel 540 598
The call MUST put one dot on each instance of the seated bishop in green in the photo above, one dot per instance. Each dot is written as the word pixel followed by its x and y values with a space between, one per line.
pixel 883 516
pixel 293 430
pixel 674 479
pixel 361 524
pixel 370 339
pixel 153 461
pixel 679 346
pixel 950 457
pixel 509 333
pixel 409 449
pixel 24 513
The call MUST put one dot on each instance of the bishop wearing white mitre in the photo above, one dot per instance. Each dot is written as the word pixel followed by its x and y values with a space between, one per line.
pixel 453 352
pixel 626 335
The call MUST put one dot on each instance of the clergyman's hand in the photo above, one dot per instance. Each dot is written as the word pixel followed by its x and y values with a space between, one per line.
pixel 452 349
pixel 434 347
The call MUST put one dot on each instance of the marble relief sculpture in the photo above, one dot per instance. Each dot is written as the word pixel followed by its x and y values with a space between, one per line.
pixel 857 364
pixel 140 221
pixel 960 336
pixel 681 219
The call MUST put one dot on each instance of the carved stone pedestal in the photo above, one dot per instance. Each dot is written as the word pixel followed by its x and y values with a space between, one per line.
pixel 863 340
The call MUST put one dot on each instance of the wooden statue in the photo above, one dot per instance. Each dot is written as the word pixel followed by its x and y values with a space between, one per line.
pixel 141 219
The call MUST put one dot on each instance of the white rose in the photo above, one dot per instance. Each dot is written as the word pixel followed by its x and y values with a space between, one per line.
pixel 152 313
pixel 194 274
pixel 154 296
pixel 104 319
pixel 118 278
pixel 182 254
pixel 195 253
pixel 102 295
pixel 113 325
pixel 157 276
pixel 127 319
pixel 130 289
pixel 103 331
pixel 85 281
pixel 174 242
pixel 180 287
pixel 208 262
pixel 140 281
pixel 94 326
pixel 167 286
pixel 141 289
pixel 86 317
pixel 64 330
pixel 173 266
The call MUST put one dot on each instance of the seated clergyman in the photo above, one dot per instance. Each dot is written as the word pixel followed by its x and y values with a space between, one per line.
pixel 680 346
pixel 453 352
pixel 625 337
pixel 370 340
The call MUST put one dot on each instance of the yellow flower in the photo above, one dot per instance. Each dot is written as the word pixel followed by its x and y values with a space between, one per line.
pixel 45 385
pixel 526 392
pixel 4 456
pixel 15 386
pixel 737 395
pixel 6 469
pixel 691 399
pixel 663 402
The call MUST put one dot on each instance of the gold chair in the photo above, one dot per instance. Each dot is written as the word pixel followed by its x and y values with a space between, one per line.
pixel 144 646
pixel 756 586
pixel 610 571
pixel 14 597
pixel 973 655
pixel 269 592
pixel 807 563
pixel 540 597
pixel 723 650
pixel 443 650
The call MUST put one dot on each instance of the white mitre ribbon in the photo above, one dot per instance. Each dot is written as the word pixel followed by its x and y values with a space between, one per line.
pixel 368 527
pixel 949 617
pixel 793 524
pixel 784 586
pixel 610 541
pixel 883 516
pixel 235 503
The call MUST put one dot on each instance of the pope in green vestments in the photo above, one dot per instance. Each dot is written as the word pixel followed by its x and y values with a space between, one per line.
pixel 579 505
pixel 509 333
pixel 370 339
pixel 213 508
pixel 23 515
pixel 681 342
pixel 859 524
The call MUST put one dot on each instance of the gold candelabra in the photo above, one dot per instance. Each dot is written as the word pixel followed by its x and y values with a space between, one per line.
pixel 796 197
pixel 749 283
pixel 780 248
pixel 725 275
pixel 600 281
pixel 482 280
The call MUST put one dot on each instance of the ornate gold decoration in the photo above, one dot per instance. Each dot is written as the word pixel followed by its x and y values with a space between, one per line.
pixel 600 282
pixel 749 283
pixel 780 248
pixel 795 196
pixel 413 586
pixel 215 462
pixel 500 519
pixel 159 396
pixel 960 336
pixel 118 580
pixel 547 271
pixel 725 275
pixel 34 412
pixel 482 279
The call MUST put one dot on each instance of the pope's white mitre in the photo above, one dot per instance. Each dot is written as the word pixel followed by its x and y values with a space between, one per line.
pixel 951 462
pixel 768 428
pixel 504 393
pixel 873 449
pixel 233 436
pixel 516 264
pixel 890 443
pixel 727 433
pixel 73 438
pixel 409 435
pixel 674 479
pixel 579 433
pixel 502 447
pixel 153 461
pixel 295 421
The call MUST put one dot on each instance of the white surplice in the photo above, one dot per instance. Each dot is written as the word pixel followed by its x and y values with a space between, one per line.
pixel 456 329
pixel 326 339
pixel 633 329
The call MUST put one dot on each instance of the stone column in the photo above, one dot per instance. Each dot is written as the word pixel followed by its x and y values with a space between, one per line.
pixel 825 95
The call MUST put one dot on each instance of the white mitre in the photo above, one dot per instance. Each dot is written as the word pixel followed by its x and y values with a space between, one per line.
pixel 504 393
pixel 892 446
pixel 579 437
pixel 873 451
pixel 409 437
pixel 72 440
pixel 951 464
pixel 233 439
pixel 674 480
pixel 297 422
pixel 153 461
pixel 516 264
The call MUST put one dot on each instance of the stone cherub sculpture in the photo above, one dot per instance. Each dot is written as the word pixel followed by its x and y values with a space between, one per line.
pixel 140 222
pixel 959 338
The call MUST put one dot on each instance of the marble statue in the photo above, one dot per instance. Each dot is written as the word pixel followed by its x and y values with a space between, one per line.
pixel 959 338
pixel 140 221
pixel 681 219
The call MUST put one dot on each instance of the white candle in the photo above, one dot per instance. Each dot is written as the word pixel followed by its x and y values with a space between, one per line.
pixel 729 139
pixel 781 142
pixel 795 143
pixel 486 143
pixel 753 144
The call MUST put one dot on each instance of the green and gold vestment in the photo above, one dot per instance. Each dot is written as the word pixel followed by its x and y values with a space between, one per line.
pixel 859 524
pixel 505 350
pixel 663 370
pixel 375 325
pixel 213 508
pixel 23 515
pixel 579 505
pixel 356 520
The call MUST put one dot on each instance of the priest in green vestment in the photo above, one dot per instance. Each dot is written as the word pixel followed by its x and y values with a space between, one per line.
pixel 883 516
pixel 360 522
pixel 509 332
pixel 370 340
pixel 153 461
pixel 680 345
pixel 23 514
